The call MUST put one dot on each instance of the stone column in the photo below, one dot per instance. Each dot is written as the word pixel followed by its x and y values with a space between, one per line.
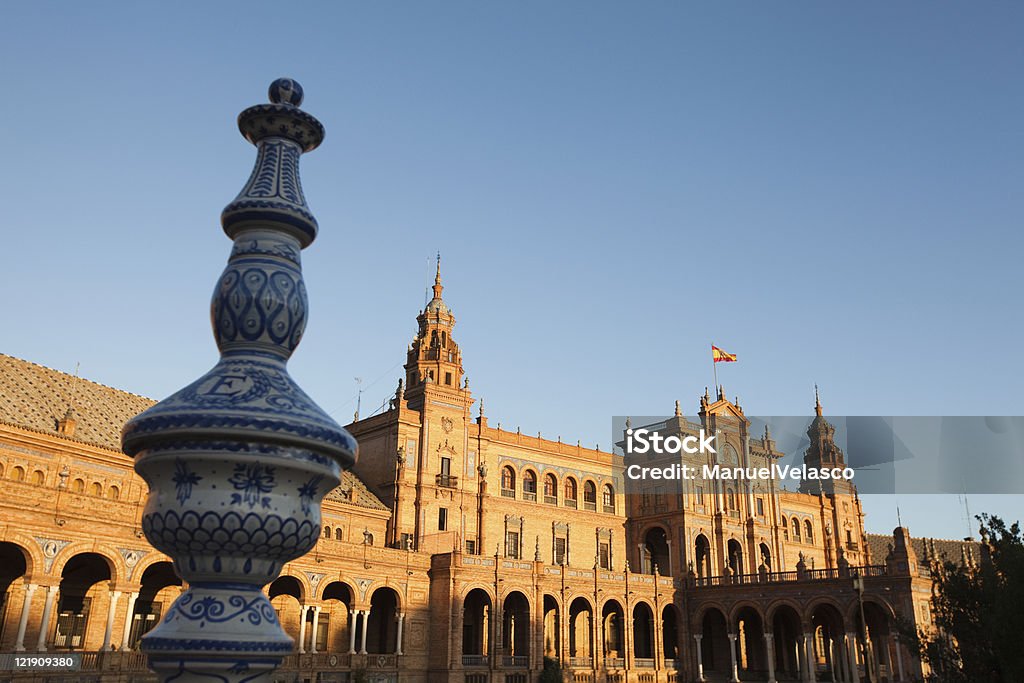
pixel 303 609
pixel 242 442
pixel 316 624
pixel 354 618
pixel 44 624
pixel 700 658
pixel 398 638
pixel 769 643
pixel 108 632
pixel 366 627
pixel 26 606
pixel 812 664
pixel 129 613
pixel 801 658
pixel 851 647
pixel 732 653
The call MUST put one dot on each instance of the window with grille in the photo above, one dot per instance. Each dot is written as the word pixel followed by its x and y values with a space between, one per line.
pixel 560 545
pixel 604 555
pixel 512 545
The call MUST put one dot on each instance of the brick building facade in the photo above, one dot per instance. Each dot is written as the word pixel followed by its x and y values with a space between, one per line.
pixel 457 551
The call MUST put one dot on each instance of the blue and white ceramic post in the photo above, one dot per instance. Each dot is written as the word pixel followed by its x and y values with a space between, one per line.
pixel 238 461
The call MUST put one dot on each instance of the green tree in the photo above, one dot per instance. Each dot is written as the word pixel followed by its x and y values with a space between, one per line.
pixel 978 610
pixel 552 671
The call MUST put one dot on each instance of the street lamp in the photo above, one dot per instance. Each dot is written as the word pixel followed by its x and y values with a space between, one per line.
pixel 858 585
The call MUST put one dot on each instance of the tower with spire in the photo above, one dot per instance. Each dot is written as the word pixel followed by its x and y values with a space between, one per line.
pixel 434 360
pixel 823 452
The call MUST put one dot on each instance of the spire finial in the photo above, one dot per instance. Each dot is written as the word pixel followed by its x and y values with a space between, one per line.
pixel 437 279
pixel 679 410
pixel 817 402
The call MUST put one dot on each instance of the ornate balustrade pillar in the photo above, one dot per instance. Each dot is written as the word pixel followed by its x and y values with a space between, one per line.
pixel 238 461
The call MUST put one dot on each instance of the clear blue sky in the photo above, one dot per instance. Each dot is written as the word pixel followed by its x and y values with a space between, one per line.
pixel 833 192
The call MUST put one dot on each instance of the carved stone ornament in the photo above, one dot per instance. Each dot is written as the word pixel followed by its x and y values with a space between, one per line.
pixel 238 461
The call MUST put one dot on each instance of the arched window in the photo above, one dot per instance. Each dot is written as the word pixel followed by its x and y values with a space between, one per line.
pixel 18 473
pixel 590 495
pixel 570 492
pixel 1 469
pixel 508 482
pixel 796 529
pixel 550 489
pixel 113 493
pixel 529 485
pixel 78 486
pixel 808 532
pixel 327 531
pixel 337 534
pixel 96 489
pixel 608 498
pixel 730 499
pixel 38 477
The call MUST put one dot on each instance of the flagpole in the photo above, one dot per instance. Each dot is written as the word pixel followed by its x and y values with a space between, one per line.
pixel 714 366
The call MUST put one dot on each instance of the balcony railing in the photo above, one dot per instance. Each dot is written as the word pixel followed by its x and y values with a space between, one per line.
pixel 590 505
pixel 570 503
pixel 530 496
pixel 644 663
pixel 581 662
pixel 447 481
pixel 777 577
pixel 474 660
pixel 508 493
pixel 515 662
pixel 609 509
pixel 551 500
pixel 614 663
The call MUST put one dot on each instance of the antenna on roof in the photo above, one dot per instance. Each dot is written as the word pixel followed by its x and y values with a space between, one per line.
pixel 359 397
pixel 967 518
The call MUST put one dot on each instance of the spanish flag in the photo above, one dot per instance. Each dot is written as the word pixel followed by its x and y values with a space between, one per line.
pixel 721 356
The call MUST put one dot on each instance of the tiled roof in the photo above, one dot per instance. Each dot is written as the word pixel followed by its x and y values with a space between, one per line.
pixel 925 548
pixel 36 397
pixel 354 492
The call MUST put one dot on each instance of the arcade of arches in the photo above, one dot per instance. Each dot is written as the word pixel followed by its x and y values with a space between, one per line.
pixel 620 589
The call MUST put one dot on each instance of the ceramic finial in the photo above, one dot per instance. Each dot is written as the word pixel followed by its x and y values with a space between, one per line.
pixel 285 91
